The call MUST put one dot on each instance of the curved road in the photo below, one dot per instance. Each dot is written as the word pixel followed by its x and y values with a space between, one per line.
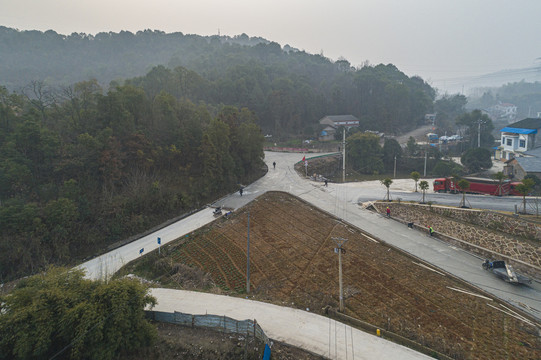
pixel 342 201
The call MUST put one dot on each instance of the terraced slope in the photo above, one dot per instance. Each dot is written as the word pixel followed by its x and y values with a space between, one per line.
pixel 292 261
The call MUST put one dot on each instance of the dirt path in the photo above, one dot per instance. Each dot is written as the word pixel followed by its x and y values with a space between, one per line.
pixel 419 134
pixel 300 328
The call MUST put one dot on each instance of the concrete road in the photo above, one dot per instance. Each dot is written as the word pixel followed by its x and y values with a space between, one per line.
pixel 342 201
pixel 303 329
pixel 104 266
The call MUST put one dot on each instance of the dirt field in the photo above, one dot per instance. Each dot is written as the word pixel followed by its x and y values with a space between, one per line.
pixel 293 263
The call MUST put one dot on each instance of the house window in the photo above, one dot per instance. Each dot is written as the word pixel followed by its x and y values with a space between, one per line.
pixel 509 142
pixel 522 143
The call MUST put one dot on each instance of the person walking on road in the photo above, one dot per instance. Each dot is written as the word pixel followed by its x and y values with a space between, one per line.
pixel 388 212
pixel 430 231
pixel 274 165
pixel 326 182
pixel 240 191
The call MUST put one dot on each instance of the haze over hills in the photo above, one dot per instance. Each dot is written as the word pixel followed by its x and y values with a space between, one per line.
pixel 476 85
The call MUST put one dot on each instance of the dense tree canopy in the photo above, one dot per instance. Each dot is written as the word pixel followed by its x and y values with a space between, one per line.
pixel 364 154
pixel 61 314
pixel 476 159
pixel 447 109
pixel 101 151
pixel 288 90
pixel 478 127
pixel 93 167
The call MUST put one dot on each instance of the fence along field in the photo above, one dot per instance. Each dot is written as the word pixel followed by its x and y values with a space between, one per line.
pixel 293 263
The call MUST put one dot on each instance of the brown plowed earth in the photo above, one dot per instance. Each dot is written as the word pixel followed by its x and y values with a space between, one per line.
pixel 293 263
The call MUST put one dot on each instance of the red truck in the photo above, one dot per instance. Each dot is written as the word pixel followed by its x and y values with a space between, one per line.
pixel 477 186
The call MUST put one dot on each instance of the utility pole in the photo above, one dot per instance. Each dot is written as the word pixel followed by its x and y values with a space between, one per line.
pixel 344 157
pixel 248 258
pixel 394 173
pixel 479 134
pixel 426 153
pixel 340 241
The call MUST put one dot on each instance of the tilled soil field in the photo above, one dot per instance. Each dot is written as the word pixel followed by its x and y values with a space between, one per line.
pixel 293 262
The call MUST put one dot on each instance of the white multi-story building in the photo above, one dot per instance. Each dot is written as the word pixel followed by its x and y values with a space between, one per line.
pixel 505 111
pixel 518 138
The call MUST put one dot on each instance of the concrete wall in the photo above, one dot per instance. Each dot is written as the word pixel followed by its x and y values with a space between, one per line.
pixel 486 233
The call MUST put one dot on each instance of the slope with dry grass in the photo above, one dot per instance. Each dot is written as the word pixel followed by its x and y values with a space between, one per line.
pixel 292 262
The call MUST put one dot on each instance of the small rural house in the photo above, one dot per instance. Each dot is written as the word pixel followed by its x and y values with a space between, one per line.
pixel 528 164
pixel 331 123
pixel 519 137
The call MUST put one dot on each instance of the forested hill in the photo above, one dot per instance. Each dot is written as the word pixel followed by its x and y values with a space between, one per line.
pixel 287 89
pixel 67 59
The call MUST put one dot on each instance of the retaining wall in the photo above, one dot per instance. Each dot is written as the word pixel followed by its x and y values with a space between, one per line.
pixel 486 233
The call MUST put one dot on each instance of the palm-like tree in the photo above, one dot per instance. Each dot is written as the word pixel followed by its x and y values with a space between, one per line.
pixel 415 176
pixel 524 189
pixel 463 185
pixel 387 183
pixel 500 176
pixel 423 185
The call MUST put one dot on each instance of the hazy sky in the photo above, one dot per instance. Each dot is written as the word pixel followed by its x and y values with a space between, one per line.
pixel 436 39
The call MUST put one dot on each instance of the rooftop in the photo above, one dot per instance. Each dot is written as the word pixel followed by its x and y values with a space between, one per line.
pixel 528 123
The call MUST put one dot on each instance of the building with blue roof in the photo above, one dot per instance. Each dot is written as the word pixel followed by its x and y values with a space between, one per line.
pixel 518 138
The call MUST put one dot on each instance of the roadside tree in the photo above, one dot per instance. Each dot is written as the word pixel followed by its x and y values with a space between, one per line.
pixel 415 176
pixel 500 176
pixel 524 189
pixel 423 185
pixel 387 183
pixel 464 186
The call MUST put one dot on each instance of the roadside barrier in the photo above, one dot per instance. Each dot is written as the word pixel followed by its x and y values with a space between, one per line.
pixel 216 322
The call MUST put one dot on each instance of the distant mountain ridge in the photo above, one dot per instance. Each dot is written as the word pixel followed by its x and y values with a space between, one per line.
pixel 476 85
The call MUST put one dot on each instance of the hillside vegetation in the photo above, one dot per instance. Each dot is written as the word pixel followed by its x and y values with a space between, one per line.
pixel 289 90
pixel 90 154
pixel 92 168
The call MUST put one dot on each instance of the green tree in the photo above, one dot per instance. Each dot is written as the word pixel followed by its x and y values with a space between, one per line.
pixel 474 122
pixel 411 146
pixel 60 313
pixel 364 153
pixel 448 108
pixel 391 151
pixel 423 185
pixel 476 159
pixel 524 189
pixel 250 143
pixel 415 176
pixel 464 186
pixel 218 164
pixel 387 183
pixel 500 176
pixel 536 180
pixel 446 168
